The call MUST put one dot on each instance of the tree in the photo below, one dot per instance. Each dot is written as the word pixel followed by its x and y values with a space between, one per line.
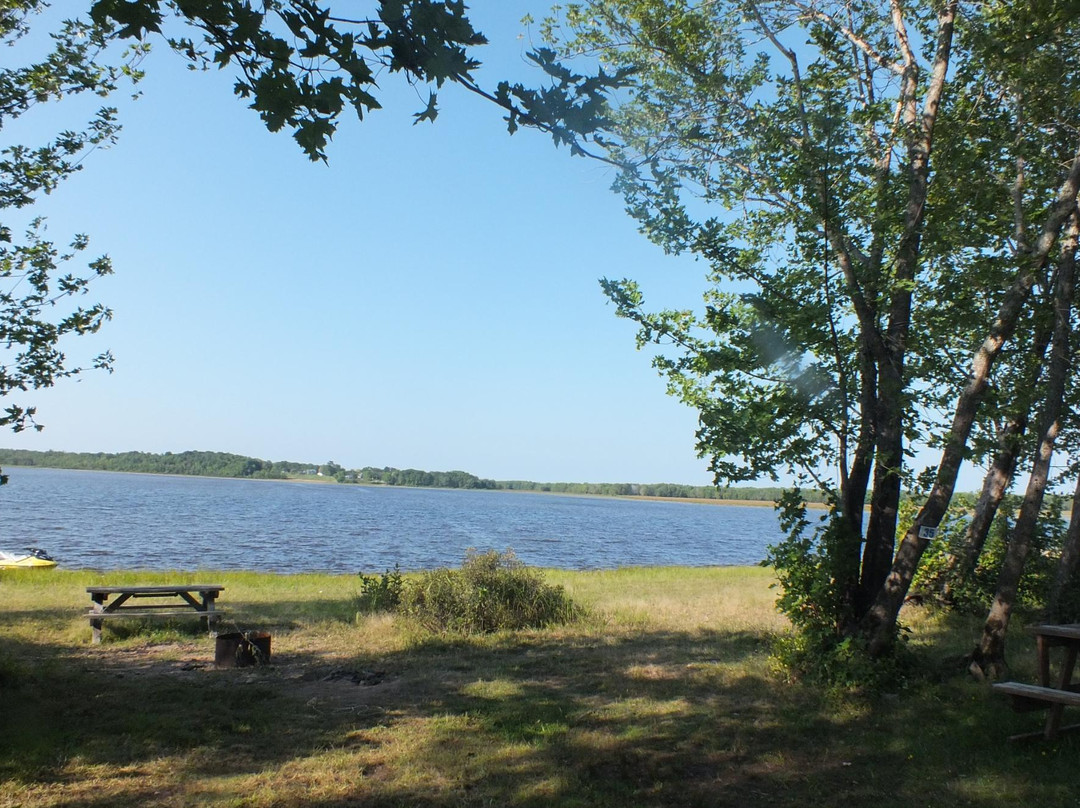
pixel 1022 52
pixel 851 174
pixel 38 308
pixel 990 655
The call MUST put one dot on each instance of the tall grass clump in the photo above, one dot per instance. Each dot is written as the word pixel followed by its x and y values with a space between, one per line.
pixel 382 593
pixel 491 592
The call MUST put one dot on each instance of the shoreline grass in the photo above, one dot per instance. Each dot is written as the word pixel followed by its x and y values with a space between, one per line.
pixel 664 695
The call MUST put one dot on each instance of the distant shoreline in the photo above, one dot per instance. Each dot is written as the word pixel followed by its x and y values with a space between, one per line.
pixel 227 465
pixel 315 480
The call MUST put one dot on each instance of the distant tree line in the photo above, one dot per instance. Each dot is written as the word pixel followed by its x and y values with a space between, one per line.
pixel 224 464
pixel 197 464
pixel 664 490
pixel 424 479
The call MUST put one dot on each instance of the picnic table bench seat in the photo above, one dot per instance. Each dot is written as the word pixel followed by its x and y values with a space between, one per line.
pixel 1035 697
pixel 1052 693
pixel 155 611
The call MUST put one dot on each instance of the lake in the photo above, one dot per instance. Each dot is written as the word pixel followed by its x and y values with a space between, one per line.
pixel 106 520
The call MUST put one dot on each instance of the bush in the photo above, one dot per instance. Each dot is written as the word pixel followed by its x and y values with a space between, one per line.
pixel 491 592
pixel 822 648
pixel 973 591
pixel 382 594
pixel 843 664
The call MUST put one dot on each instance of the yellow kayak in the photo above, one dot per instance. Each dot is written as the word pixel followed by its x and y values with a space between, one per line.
pixel 32 558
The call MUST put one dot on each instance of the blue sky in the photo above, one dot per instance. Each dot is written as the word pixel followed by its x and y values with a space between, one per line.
pixel 429 299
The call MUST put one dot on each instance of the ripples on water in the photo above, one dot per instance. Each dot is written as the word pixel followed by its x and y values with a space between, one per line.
pixel 103 520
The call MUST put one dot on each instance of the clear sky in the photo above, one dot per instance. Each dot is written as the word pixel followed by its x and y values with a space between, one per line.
pixel 429 299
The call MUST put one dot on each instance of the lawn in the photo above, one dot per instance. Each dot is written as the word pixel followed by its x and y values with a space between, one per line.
pixel 664 695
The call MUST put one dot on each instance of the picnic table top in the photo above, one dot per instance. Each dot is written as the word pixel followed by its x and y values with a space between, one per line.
pixel 154 590
pixel 1069 631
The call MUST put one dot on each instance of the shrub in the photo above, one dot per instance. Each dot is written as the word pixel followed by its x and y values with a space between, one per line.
pixel 381 594
pixel 843 664
pixel 822 647
pixel 491 592
pixel 973 591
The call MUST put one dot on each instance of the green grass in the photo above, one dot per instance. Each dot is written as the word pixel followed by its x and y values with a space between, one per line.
pixel 664 695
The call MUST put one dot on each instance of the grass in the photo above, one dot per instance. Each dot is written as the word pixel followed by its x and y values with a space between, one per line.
pixel 663 696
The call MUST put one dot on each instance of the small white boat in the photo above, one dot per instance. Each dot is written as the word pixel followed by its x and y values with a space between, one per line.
pixel 30 558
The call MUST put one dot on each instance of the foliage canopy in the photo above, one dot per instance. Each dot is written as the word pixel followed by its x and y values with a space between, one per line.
pixel 883 193
pixel 38 292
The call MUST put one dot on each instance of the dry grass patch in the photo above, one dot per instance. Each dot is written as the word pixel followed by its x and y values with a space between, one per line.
pixel 677 598
pixel 663 696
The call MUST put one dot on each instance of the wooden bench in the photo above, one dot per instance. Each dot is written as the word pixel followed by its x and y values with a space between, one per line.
pixel 1035 697
pixel 1049 694
pixel 181 601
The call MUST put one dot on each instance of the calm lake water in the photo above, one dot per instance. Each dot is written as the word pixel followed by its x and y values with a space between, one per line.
pixel 103 520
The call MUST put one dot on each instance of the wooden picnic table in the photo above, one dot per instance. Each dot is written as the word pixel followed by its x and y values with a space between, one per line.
pixel 177 600
pixel 1053 693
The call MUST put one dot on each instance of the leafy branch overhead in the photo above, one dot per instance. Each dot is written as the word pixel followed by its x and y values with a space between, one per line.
pixel 39 291
pixel 303 66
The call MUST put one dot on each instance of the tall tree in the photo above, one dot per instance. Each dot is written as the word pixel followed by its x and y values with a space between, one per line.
pixel 842 264
pixel 990 654
pixel 1020 55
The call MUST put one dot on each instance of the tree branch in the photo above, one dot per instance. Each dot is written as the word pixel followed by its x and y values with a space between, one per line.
pixel 852 37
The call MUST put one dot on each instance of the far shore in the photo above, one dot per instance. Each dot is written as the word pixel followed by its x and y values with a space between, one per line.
pixel 756 503
pixel 323 480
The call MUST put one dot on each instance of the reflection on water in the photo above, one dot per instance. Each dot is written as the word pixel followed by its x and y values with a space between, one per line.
pixel 103 520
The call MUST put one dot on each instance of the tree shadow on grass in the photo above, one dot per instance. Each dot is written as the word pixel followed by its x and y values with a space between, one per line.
pixel 574 717
pixel 946 639
pixel 290 615
pixel 235 614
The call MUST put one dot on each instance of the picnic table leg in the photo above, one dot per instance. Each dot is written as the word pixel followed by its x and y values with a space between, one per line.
pixel 1042 645
pixel 1053 720
pixel 211 614
pixel 95 625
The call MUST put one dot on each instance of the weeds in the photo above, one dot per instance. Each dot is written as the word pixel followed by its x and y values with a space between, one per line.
pixel 380 594
pixel 491 592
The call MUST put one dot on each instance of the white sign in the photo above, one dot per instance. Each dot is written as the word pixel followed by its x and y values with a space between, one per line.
pixel 927 532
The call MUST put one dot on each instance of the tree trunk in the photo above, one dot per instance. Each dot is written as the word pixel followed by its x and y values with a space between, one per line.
pixel 1070 555
pixel 885 498
pixel 962 564
pixel 990 654
pixel 879 624
pixel 1003 467
pixel 889 458
pixel 853 505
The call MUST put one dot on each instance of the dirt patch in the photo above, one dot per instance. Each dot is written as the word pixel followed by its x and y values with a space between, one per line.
pixel 322 686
